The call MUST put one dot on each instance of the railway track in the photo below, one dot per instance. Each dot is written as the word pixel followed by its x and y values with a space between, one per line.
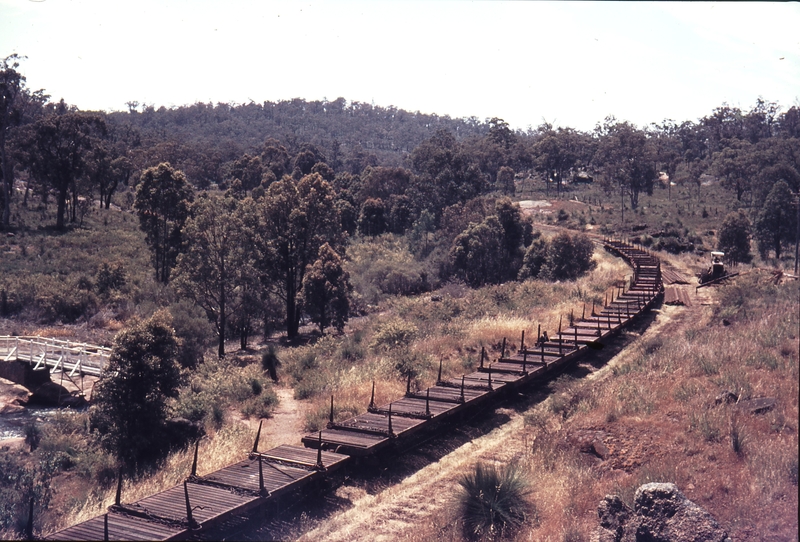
pixel 223 502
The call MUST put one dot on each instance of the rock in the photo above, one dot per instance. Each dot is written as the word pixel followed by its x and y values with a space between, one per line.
pixel 661 513
pixel 600 449
pixel 614 514
pixel 590 442
pixel 9 409
pixel 664 514
pixel 759 405
pixel 49 394
pixel 12 396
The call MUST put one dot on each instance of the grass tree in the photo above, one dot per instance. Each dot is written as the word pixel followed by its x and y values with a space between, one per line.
pixel 492 500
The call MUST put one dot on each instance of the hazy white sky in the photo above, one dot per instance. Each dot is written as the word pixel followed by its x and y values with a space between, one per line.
pixel 571 63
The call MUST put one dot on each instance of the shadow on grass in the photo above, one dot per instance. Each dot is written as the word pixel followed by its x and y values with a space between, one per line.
pixel 374 475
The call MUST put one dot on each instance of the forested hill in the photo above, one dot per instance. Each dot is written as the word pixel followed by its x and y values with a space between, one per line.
pixel 350 135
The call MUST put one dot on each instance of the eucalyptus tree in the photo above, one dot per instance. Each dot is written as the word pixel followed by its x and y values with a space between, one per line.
pixel 627 158
pixel 162 202
pixel 776 223
pixel 12 86
pixel 216 270
pixel 326 286
pixel 59 148
pixel 296 218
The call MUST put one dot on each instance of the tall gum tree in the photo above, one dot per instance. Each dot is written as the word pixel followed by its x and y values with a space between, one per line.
pixel 59 148
pixel 162 203
pixel 627 158
pixel 12 87
pixel 296 219
pixel 217 257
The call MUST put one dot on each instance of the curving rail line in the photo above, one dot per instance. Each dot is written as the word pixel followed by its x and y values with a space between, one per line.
pixel 216 505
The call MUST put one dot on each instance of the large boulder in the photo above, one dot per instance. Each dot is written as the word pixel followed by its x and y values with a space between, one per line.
pixel 614 514
pixel 661 513
pixel 13 397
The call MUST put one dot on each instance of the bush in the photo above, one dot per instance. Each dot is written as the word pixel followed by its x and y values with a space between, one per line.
pixel 384 266
pixel 564 257
pixel 195 332
pixel 130 399
pixel 260 405
pixel 492 501
pixel 392 334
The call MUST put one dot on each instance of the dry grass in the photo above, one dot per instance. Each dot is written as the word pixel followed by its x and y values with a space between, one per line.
pixel 223 448
pixel 655 404
pixel 412 335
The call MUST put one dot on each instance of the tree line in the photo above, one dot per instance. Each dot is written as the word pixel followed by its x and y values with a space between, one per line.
pixel 440 179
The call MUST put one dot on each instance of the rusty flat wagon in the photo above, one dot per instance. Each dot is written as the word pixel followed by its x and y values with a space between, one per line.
pixel 210 506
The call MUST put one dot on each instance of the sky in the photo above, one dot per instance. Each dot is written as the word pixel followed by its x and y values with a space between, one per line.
pixel 566 63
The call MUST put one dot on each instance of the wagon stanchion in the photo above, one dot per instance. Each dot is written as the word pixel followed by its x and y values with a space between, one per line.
pixel 261 489
pixel 118 496
pixel 194 462
pixel 320 466
pixel 258 435
pixel 428 402
pixel 189 519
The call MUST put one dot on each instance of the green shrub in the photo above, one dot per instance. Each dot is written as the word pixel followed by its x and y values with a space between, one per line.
pixel 261 405
pixel 492 501
pixel 195 332
pixel 392 334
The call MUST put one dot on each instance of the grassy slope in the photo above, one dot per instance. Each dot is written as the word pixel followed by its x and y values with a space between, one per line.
pixel 623 404
pixel 655 406
pixel 43 270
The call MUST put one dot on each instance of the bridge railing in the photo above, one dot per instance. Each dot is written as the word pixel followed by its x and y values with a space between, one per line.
pixel 55 354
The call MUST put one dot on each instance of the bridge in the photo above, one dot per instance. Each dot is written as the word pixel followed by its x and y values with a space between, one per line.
pixel 68 357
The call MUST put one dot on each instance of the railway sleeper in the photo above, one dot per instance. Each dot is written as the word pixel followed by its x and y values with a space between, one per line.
pixel 365 430
pixel 401 414
pixel 200 481
pixel 454 400
pixel 147 516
